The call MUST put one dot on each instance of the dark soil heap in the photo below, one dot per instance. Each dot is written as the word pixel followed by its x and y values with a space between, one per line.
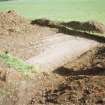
pixel 89 26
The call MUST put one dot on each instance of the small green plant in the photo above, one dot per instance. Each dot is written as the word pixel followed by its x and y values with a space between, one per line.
pixel 16 63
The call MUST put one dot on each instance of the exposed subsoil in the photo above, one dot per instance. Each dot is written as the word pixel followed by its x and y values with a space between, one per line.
pixel 81 82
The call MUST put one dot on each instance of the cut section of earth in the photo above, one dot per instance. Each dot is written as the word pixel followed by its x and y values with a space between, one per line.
pixel 77 82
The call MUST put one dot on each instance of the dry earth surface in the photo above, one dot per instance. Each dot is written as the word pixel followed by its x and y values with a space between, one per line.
pixel 80 82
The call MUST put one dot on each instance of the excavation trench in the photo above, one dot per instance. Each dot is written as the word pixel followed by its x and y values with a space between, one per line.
pixel 59 49
pixel 80 81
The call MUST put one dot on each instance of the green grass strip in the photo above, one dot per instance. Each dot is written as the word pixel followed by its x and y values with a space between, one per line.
pixel 15 63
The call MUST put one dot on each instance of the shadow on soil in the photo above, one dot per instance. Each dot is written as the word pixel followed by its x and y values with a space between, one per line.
pixel 83 34
pixel 96 71
pixel 67 30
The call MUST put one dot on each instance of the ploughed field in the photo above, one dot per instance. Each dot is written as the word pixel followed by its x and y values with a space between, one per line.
pixel 77 82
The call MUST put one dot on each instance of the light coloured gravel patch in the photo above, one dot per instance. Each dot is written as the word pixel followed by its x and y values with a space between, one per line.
pixel 60 49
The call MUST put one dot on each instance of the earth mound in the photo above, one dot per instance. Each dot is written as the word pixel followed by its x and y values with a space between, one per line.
pixel 18 36
pixel 11 22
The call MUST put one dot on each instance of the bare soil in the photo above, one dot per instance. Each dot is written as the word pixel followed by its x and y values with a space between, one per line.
pixel 80 82
pixel 19 37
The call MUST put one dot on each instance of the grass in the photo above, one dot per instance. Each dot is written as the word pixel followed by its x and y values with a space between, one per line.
pixel 16 63
pixel 58 9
